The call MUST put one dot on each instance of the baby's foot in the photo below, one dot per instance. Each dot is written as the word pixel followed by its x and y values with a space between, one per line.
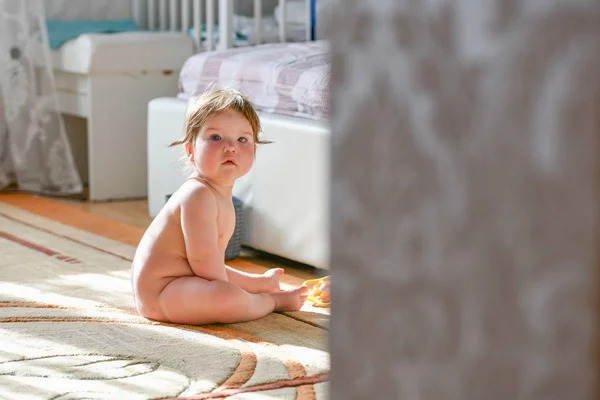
pixel 290 300
pixel 271 280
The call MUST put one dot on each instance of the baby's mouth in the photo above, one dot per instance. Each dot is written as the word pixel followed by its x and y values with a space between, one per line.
pixel 229 162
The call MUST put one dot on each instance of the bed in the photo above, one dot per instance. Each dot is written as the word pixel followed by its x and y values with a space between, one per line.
pixel 286 194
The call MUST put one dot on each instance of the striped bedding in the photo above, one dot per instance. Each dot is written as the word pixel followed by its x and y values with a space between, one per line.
pixel 282 78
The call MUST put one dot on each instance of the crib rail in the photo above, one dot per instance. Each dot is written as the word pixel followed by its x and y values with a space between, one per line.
pixel 189 16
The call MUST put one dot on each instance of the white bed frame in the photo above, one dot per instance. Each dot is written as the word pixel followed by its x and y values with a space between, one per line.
pixel 109 80
pixel 181 15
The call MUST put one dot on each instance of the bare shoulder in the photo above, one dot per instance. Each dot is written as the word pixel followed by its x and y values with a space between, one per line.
pixel 195 194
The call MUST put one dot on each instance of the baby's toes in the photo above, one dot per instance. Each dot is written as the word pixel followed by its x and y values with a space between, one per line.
pixel 302 296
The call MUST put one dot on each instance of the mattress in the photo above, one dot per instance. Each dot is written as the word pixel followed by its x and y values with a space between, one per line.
pixel 60 32
pixel 282 78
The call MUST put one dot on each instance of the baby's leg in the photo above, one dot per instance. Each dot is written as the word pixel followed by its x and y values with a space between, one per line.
pixel 255 283
pixel 193 300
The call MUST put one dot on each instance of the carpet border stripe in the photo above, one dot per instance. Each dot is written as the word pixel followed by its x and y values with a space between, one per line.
pixel 75 218
pixel 308 381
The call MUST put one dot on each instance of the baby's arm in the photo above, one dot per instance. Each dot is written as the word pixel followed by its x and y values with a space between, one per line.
pixel 200 234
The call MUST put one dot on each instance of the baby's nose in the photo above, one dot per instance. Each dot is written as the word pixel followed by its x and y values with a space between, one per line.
pixel 230 146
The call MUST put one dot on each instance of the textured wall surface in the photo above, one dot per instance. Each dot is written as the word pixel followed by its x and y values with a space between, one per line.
pixel 464 199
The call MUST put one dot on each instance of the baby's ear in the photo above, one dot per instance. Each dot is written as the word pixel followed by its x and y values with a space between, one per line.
pixel 189 149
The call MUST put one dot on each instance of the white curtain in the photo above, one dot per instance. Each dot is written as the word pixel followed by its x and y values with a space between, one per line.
pixel 34 149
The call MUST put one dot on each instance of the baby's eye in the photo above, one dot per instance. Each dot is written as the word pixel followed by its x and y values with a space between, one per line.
pixel 215 137
pixel 242 140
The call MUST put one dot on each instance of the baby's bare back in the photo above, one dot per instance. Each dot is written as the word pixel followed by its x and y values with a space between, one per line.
pixel 161 255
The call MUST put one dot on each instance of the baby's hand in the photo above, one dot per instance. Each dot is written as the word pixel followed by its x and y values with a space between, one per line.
pixel 272 279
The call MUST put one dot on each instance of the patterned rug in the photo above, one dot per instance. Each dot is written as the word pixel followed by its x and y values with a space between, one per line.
pixel 68 329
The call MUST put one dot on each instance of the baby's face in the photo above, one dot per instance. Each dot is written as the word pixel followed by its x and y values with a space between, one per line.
pixel 224 148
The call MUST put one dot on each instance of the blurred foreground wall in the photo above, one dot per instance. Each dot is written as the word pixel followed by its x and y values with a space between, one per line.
pixel 465 199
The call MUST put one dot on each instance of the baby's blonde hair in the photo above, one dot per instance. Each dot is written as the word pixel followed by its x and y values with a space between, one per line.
pixel 201 108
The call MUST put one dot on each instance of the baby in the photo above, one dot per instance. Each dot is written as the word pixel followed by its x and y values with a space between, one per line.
pixel 179 273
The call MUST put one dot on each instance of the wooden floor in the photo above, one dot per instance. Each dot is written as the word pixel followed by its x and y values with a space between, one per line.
pixel 135 213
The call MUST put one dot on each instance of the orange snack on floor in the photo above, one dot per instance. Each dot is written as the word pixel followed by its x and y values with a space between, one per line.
pixel 319 294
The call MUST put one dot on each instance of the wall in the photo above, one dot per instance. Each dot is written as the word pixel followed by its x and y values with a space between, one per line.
pixel 87 9
pixel 465 199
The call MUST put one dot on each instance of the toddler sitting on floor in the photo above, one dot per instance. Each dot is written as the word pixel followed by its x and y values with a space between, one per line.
pixel 179 273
